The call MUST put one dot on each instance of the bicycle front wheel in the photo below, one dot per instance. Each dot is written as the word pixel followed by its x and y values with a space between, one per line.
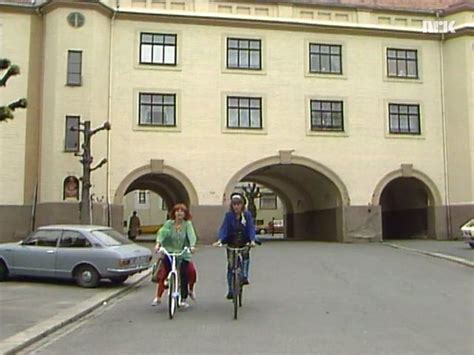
pixel 236 293
pixel 172 291
pixel 241 290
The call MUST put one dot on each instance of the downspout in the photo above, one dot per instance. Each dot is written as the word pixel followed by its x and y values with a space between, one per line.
pixel 34 208
pixel 445 148
pixel 109 118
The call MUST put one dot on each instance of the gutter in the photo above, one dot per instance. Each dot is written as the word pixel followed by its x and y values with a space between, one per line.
pixel 109 118
pixel 445 148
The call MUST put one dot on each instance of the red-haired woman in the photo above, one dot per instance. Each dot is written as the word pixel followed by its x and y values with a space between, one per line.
pixel 177 233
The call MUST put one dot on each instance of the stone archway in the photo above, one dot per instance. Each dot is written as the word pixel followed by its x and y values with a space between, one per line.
pixel 166 181
pixel 408 199
pixel 314 196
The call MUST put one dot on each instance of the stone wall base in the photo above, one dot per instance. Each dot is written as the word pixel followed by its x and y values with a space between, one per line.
pixel 348 224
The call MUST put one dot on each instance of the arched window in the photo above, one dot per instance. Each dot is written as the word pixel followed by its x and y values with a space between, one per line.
pixel 71 188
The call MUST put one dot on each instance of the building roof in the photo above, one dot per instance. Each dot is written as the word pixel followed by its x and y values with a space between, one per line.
pixel 401 5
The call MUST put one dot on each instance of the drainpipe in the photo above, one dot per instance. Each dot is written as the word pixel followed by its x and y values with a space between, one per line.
pixel 445 148
pixel 109 118
pixel 34 208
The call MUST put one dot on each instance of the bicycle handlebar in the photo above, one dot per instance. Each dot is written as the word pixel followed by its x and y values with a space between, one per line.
pixel 237 249
pixel 185 249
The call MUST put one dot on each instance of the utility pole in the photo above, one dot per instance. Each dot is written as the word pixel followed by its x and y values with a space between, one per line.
pixel 87 169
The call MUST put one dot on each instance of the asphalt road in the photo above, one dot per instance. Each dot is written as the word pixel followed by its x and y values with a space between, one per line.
pixel 319 298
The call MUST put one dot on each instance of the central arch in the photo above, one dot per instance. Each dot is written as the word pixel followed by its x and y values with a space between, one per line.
pixel 314 196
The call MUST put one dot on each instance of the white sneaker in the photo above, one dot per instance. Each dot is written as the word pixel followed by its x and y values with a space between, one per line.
pixel 183 305
pixel 156 302
pixel 192 295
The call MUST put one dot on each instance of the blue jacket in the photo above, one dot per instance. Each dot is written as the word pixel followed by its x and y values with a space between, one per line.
pixel 228 227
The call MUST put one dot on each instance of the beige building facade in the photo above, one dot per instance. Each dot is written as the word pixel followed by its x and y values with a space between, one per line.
pixel 359 117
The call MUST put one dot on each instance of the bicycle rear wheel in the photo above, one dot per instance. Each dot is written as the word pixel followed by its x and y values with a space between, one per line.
pixel 237 289
pixel 172 301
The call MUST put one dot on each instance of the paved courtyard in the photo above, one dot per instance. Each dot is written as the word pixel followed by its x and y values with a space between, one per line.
pixel 304 297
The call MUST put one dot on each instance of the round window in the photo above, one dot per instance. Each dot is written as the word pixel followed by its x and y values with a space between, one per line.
pixel 76 19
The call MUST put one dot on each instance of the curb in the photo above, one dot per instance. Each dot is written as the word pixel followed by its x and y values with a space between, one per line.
pixel 27 337
pixel 433 254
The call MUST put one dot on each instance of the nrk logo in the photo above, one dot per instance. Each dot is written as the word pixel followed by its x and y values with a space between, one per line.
pixel 439 26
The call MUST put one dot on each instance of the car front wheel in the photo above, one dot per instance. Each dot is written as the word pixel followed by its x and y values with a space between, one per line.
pixel 3 271
pixel 87 276
pixel 118 280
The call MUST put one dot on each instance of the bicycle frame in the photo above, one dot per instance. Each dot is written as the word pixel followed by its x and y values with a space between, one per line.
pixel 237 259
pixel 174 293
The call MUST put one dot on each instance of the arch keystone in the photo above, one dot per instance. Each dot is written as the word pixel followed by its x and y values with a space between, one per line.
pixel 286 156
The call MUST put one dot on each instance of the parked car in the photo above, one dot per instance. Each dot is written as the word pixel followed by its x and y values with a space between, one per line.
pixel 467 230
pixel 277 226
pixel 261 229
pixel 150 229
pixel 83 253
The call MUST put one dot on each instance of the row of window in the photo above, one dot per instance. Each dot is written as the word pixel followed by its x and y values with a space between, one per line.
pixel 161 49
pixel 242 53
pixel 246 113
pixel 159 110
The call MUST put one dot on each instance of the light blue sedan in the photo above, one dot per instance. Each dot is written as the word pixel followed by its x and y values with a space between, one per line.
pixel 83 253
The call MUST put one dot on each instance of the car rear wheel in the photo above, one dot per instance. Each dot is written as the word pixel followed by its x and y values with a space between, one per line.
pixel 3 271
pixel 87 276
pixel 118 280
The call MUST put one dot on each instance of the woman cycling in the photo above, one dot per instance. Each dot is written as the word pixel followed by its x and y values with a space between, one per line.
pixel 176 234
pixel 237 230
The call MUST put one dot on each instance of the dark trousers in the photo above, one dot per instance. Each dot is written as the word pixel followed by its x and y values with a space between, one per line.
pixel 244 267
pixel 183 274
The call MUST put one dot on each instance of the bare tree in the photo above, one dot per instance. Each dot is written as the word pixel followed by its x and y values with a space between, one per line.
pixel 6 112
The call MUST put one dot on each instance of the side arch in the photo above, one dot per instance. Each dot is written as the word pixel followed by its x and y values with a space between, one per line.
pixel 165 170
pixel 435 195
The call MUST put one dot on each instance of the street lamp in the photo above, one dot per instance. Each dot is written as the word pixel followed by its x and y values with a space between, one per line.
pixel 86 161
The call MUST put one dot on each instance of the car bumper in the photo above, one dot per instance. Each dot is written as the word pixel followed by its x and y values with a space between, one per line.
pixel 128 270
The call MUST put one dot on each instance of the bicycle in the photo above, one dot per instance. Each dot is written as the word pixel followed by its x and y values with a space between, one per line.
pixel 237 262
pixel 173 280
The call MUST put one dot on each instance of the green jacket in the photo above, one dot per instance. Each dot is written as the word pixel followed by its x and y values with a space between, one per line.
pixel 174 241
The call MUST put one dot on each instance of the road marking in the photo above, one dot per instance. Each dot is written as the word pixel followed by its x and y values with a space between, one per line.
pixel 433 254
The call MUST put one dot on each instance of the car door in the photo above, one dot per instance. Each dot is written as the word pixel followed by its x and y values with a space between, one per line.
pixel 37 254
pixel 74 247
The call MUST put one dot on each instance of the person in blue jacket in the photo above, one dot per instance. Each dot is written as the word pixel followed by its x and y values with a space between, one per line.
pixel 237 230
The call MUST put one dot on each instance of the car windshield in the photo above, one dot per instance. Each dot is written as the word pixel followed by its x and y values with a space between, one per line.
pixel 470 223
pixel 110 237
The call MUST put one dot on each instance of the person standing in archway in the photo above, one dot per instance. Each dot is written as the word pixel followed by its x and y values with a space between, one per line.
pixel 237 230
pixel 134 226
pixel 176 234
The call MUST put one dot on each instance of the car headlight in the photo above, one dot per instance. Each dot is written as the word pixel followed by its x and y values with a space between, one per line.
pixel 124 262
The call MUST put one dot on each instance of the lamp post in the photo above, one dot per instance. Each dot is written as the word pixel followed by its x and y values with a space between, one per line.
pixel 87 169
